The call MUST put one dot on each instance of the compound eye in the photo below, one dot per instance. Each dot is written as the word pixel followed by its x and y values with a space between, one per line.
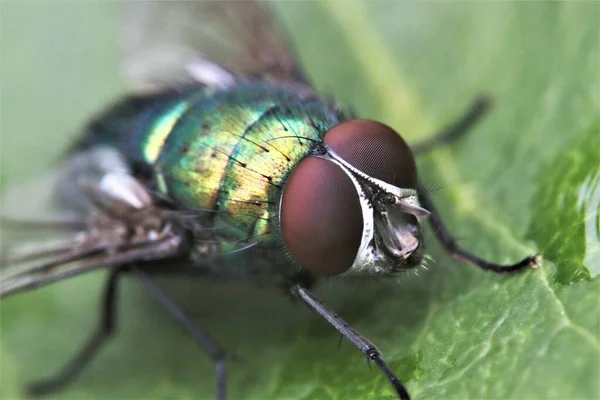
pixel 375 149
pixel 321 219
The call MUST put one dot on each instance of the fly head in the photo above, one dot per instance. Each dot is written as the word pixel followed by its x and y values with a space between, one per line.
pixel 353 209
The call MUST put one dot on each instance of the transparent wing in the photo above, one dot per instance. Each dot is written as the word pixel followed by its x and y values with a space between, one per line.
pixel 42 244
pixel 167 43
pixel 106 219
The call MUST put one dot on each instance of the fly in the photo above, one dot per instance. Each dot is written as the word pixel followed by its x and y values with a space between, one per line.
pixel 233 166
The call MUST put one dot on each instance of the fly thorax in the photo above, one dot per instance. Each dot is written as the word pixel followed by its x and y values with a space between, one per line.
pixel 352 207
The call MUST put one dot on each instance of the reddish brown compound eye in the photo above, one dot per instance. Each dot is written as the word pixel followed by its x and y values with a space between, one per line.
pixel 375 149
pixel 321 219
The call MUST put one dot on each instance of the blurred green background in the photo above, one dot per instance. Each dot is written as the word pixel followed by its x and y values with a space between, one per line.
pixel 525 181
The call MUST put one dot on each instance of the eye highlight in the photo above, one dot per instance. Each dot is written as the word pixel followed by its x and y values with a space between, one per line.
pixel 321 218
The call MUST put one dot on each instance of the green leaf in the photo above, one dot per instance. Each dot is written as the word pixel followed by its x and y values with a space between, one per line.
pixel 526 180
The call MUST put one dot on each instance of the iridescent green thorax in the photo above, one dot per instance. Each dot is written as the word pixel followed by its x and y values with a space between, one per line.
pixel 226 155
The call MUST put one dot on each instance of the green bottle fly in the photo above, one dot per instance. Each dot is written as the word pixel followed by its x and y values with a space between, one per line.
pixel 237 168
pixel 223 156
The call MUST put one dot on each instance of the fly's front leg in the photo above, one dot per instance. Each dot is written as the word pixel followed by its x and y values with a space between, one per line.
pixel 456 130
pixel 461 126
pixel 458 253
pixel 106 328
pixel 361 343
pixel 216 353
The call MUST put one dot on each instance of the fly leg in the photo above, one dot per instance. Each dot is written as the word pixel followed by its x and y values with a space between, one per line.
pixel 216 353
pixel 106 328
pixel 361 343
pixel 448 243
pixel 476 111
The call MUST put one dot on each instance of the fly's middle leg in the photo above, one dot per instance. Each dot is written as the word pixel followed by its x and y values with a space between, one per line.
pixel 214 350
pixel 365 346
pixel 106 328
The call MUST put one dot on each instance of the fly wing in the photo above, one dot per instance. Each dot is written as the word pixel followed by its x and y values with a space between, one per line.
pixel 41 244
pixel 40 267
pixel 169 43
pixel 33 231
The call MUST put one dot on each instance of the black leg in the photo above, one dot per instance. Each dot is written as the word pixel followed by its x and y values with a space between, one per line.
pixel 104 331
pixel 477 110
pixel 456 252
pixel 215 351
pixel 362 344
